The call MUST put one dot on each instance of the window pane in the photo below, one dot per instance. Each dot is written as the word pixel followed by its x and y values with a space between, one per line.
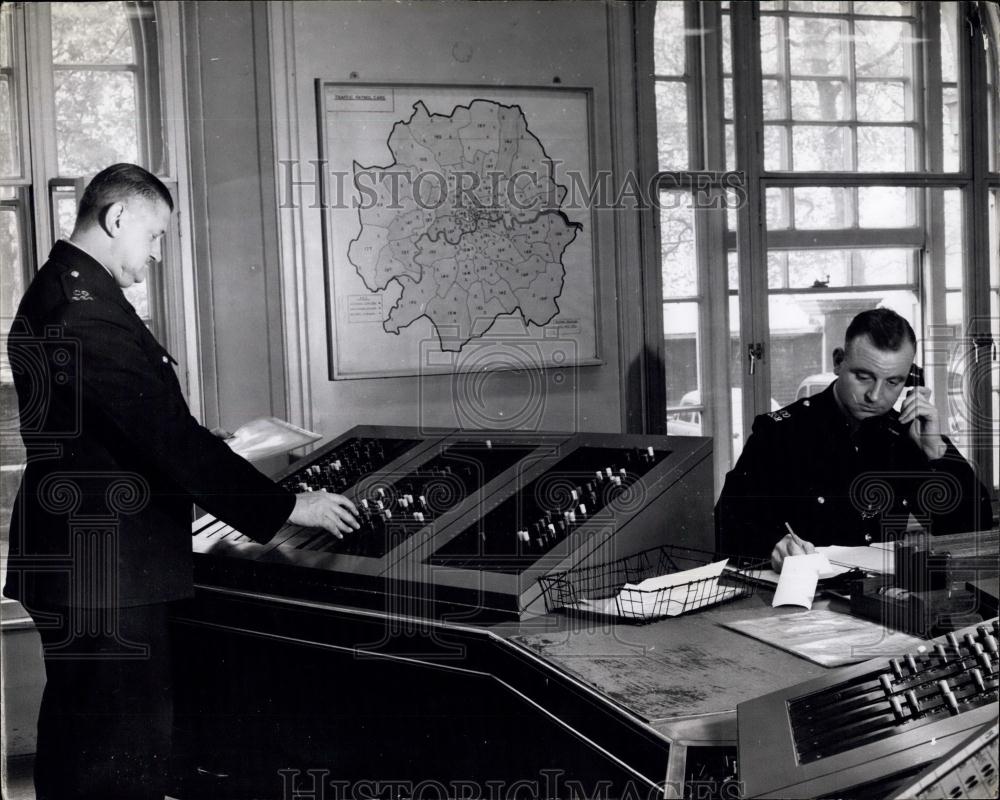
pixel 773 99
pixel 885 149
pixel 668 38
pixel 778 216
pixel 809 268
pixel 886 207
pixel 727 44
pixel 953 250
pixel 818 46
pixel 96 120
pixel 777 269
pixel 776 147
pixel 677 255
pixel 672 124
pixel 817 6
pixel 819 147
pixel 11 270
pixel 730 146
pixel 881 267
pixel 91 33
pixel 882 49
pixel 945 352
pixel 949 42
pixel 885 7
pixel 770 44
pixel 822 269
pixel 736 369
pixel 883 101
pixel 10 155
pixel 819 100
pixel 951 129
pixel 64 206
pixel 818 207
pixel 680 326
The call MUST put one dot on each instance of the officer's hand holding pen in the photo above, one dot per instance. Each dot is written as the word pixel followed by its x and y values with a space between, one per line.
pixel 918 409
pixel 332 512
pixel 789 545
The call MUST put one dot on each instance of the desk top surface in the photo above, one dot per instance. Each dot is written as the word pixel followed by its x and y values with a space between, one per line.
pixel 679 668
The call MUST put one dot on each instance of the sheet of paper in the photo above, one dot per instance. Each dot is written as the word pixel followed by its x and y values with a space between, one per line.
pixel 869 559
pixel 828 638
pixel 799 576
pixel 269 436
pixel 677 578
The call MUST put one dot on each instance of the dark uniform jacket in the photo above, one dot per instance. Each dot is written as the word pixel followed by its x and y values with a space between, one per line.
pixel 835 483
pixel 114 457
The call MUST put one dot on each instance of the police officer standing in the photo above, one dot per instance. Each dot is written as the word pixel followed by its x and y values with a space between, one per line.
pixel 100 539
pixel 844 467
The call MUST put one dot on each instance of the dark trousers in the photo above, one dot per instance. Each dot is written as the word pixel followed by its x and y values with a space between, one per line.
pixel 105 722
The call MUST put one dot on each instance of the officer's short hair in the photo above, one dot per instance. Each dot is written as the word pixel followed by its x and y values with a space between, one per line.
pixel 886 329
pixel 117 183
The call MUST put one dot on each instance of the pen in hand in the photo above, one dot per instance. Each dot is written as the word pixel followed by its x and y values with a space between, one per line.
pixel 790 545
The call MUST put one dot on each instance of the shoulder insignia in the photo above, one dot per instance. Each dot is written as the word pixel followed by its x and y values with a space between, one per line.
pixel 80 294
pixel 776 416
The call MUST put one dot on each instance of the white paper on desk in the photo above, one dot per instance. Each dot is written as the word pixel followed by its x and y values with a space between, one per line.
pixel 869 559
pixel 799 576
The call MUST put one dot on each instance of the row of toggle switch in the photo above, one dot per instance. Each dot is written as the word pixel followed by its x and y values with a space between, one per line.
pixel 953 676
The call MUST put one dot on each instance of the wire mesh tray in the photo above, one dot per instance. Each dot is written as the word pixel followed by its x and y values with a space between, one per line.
pixel 609 589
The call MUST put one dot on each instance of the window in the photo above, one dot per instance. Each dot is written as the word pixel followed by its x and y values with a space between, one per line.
pixel 866 181
pixel 85 79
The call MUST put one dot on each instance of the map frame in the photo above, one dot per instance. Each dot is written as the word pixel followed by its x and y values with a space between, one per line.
pixel 555 345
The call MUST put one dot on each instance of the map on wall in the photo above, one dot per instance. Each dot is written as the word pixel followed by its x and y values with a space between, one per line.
pixel 456 219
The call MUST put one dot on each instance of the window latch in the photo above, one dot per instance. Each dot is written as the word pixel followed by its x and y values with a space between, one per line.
pixel 755 352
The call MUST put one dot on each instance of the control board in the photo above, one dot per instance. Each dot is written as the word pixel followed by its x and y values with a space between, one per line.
pixel 866 723
pixel 466 521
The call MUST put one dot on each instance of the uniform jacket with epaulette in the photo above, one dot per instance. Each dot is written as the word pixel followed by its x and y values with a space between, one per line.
pixel 837 483
pixel 114 457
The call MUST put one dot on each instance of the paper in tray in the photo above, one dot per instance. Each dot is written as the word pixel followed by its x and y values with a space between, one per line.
pixel 665 595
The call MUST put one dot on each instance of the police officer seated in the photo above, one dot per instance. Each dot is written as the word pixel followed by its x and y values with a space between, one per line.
pixel 844 467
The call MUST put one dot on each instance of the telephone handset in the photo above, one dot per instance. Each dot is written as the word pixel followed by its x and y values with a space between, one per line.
pixel 914 379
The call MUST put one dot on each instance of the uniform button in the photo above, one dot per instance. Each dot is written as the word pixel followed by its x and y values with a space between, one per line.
pixel 805 403
pixel 906 502
pixel 75 274
pixel 166 360
pixel 868 537
pixel 820 499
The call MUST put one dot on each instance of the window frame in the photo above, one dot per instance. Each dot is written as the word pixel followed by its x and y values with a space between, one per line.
pixel 751 239
pixel 161 142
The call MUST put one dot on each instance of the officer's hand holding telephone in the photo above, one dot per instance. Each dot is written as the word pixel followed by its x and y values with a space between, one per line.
pixel 919 415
